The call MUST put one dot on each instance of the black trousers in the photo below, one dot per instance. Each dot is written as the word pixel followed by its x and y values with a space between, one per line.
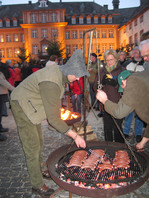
pixel 111 132
pixel 1 108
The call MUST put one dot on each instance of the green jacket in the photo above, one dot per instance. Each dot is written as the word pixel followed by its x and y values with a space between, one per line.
pixel 40 95
pixel 135 97
pixel 93 72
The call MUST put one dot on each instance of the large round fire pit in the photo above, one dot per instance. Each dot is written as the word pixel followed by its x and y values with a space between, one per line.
pixel 108 188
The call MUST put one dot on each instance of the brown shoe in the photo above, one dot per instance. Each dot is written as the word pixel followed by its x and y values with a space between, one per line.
pixel 43 191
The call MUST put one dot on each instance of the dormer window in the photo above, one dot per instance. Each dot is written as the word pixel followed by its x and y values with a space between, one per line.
pixel 103 19
pixel 81 21
pixel 73 20
pixel 110 19
pixel 88 20
pixel 43 3
pixel 15 23
pixel 95 19
pixel 8 23
pixel 1 23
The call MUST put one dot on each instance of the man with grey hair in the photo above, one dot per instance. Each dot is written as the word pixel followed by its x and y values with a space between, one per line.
pixel 37 98
pixel 144 48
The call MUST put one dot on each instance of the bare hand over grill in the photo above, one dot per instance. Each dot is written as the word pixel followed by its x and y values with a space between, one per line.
pixel 80 142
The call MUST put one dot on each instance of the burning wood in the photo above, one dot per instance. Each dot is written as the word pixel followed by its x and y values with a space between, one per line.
pixel 68 115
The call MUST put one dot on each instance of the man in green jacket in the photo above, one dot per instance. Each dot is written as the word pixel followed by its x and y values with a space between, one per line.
pixel 37 98
pixel 135 98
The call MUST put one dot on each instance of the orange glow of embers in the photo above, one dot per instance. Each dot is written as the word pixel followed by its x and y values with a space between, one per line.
pixel 68 115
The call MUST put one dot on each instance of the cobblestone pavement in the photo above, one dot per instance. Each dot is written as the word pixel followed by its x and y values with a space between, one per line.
pixel 14 179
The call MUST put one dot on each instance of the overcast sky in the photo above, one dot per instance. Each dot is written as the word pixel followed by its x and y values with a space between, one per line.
pixel 123 3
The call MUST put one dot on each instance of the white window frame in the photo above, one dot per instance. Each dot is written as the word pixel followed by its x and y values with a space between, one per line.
pixel 81 20
pixel 8 23
pixel 15 37
pixel 104 34
pixel 9 53
pixel 1 23
pixel 111 34
pixel 33 18
pixel 34 49
pixel 73 20
pixel 8 38
pixel 44 17
pixel 34 33
pixel 15 23
pixel 74 48
pixel 44 33
pixel 1 38
pixel 74 34
pixel 67 35
pixel 54 17
pixel 88 20
pixel 2 54
pixel 68 49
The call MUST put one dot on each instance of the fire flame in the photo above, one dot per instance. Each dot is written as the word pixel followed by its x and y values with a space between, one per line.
pixel 68 115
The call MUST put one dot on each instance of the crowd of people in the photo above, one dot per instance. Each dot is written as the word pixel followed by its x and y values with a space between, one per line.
pixel 35 94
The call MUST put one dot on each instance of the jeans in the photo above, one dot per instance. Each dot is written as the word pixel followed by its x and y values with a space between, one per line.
pixel 76 103
pixel 92 94
pixel 138 128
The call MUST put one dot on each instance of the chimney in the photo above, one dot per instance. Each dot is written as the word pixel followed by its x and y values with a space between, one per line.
pixel 105 7
pixel 115 4
pixel 30 2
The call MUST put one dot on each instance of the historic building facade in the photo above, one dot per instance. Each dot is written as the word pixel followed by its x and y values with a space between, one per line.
pixel 32 26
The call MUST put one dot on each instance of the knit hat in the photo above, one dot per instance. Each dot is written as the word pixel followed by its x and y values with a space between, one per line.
pixel 75 65
pixel 93 54
pixel 122 76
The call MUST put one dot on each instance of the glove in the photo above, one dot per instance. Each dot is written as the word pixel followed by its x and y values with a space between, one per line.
pixel 108 80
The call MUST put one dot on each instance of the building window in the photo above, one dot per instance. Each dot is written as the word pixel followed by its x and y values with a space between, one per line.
pixel 104 34
pixel 7 23
pixel 1 23
pixel 54 33
pixel 34 50
pixel 88 20
pixel 103 19
pixel 1 38
pixel 96 20
pixel 67 35
pixel 2 55
pixel 9 53
pixel 15 38
pixel 73 20
pixel 141 19
pixel 130 26
pixel 15 23
pixel 136 38
pixel 109 19
pixel 16 52
pixel 74 34
pixel 44 18
pixel 8 38
pixel 34 33
pixel 81 34
pixel 98 48
pixel 54 17
pixel 111 34
pixel 130 40
pixel 141 32
pixel 68 49
pixel 81 21
pixel 22 38
pixel 75 47
pixel 111 45
pixel 33 18
pixel 44 50
pixel 44 33
pixel 43 3
pixel 135 22
pixel 104 47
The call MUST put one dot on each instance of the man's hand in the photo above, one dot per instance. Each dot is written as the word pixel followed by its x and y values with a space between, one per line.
pixel 101 96
pixel 80 142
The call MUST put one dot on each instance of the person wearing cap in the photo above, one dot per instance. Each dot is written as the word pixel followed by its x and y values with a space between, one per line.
pixel 37 98
pixel 93 68
pixel 135 98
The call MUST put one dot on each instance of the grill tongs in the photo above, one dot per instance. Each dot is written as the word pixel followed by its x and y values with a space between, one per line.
pixel 90 151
